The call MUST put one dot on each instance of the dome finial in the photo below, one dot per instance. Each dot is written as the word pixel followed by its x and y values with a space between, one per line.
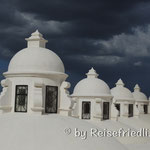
pixel 120 83
pixel 36 40
pixel 92 73
pixel 136 88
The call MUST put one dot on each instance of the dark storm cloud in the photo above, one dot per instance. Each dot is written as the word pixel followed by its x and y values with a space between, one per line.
pixel 111 35
pixel 99 18
pixel 9 16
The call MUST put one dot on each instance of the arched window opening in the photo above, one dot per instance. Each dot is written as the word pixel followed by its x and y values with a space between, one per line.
pixel 51 99
pixel 21 98
pixel 118 108
pixel 130 110
pixel 86 108
pixel 145 109
pixel 105 110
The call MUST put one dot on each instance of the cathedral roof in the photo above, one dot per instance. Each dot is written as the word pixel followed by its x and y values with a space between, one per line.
pixel 33 132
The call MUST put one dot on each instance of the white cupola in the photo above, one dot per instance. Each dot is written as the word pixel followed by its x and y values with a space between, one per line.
pixel 141 100
pixel 123 100
pixel 36 40
pixel 137 88
pixel 33 79
pixel 92 73
pixel 91 98
pixel 120 83
pixel 36 58
pixel 138 95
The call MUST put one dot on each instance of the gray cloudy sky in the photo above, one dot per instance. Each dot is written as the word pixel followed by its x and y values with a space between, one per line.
pixel 113 36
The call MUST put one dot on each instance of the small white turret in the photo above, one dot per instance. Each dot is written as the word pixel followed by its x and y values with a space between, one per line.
pixel 137 88
pixel 92 73
pixel 119 83
pixel 36 40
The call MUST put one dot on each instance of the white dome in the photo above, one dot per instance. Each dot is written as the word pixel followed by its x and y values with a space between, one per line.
pixel 120 92
pixel 138 95
pixel 36 58
pixel 27 132
pixel 91 86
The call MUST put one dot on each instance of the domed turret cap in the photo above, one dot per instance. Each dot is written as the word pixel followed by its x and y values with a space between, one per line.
pixel 91 86
pixel 120 92
pixel 138 95
pixel 36 58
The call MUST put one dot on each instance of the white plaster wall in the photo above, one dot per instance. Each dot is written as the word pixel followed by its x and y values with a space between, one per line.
pixel 141 106
pixel 96 107
pixel 65 99
pixel 36 91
